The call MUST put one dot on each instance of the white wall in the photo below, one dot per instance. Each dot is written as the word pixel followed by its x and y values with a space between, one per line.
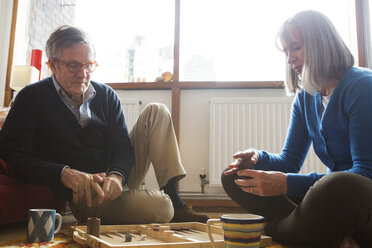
pixel 194 135
pixel 5 23
pixel 35 21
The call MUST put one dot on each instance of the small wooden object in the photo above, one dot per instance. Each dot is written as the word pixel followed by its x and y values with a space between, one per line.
pixel 93 226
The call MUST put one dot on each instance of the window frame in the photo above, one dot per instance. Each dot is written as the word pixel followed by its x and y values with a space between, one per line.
pixel 226 84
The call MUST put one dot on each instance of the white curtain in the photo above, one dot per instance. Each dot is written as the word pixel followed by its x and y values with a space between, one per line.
pixel 5 24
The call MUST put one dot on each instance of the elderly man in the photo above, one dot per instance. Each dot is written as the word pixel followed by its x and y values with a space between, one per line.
pixel 69 133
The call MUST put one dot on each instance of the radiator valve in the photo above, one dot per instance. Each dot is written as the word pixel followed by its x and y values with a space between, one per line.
pixel 203 181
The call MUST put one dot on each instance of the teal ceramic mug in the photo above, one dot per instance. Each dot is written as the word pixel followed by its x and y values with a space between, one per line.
pixel 239 230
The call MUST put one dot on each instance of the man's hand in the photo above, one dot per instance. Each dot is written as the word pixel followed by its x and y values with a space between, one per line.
pixel 243 160
pixel 112 187
pixel 81 184
pixel 262 183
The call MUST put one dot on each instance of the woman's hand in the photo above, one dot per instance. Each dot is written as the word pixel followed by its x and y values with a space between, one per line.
pixel 262 183
pixel 243 160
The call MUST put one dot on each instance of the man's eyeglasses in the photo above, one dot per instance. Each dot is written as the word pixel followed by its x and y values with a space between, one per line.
pixel 74 67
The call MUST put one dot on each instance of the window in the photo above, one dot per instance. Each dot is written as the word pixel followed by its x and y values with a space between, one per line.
pixel 134 40
pixel 220 40
pixel 234 40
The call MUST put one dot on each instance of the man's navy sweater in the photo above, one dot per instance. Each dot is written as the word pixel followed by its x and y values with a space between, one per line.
pixel 41 136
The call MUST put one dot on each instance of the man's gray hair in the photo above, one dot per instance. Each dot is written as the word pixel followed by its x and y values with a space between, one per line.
pixel 64 37
pixel 326 53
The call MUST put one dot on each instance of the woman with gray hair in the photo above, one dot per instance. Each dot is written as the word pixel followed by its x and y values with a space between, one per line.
pixel 333 111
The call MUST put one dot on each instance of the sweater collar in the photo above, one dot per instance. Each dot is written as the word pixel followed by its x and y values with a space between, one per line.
pixel 88 94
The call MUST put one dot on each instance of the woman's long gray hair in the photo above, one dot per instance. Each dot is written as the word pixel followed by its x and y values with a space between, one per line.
pixel 325 51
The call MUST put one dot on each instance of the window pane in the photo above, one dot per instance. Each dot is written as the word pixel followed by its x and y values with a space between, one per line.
pixel 234 40
pixel 134 39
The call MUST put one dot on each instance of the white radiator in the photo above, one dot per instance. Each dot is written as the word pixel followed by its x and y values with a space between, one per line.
pixel 132 107
pixel 240 123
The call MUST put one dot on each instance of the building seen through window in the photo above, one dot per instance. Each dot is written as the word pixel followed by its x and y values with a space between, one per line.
pixel 134 39
pixel 220 40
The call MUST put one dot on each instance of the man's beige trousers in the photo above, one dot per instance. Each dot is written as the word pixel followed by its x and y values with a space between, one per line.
pixel 155 142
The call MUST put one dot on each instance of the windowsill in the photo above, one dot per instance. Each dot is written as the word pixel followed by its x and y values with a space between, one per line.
pixel 144 86
pixel 198 85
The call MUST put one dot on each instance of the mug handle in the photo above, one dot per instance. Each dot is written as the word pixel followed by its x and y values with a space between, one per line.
pixel 59 217
pixel 209 222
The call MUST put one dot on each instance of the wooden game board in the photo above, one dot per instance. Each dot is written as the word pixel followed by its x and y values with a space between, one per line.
pixel 169 235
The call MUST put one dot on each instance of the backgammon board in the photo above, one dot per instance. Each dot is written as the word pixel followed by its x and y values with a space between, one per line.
pixel 168 235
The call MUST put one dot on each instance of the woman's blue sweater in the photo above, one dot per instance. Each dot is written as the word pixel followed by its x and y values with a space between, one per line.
pixel 341 137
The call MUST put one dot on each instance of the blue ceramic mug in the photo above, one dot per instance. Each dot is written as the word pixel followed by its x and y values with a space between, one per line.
pixel 41 225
